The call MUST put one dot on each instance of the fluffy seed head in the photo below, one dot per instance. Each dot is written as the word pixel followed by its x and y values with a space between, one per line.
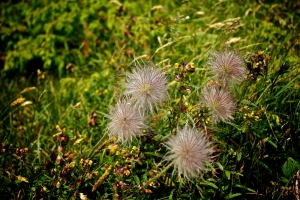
pixel 126 122
pixel 190 150
pixel 228 66
pixel 147 86
pixel 219 102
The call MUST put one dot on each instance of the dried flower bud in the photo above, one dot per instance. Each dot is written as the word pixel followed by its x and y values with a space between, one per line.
pixel 117 196
pixel 61 149
pixel 92 119
pixel 183 107
pixel 64 139
pixel 124 186
pixel 116 186
pixel 190 68
pixel 53 156
pixel 182 88
pixel 252 77
pixel 178 77
pixel 58 184
pixel 152 172
pixel 49 165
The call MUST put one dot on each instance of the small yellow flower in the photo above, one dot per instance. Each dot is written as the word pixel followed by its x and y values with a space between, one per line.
pixel 83 196
pixel 134 148
pixel 23 179
pixel 27 89
pixel 148 191
pixel 78 141
pixel 192 65
pixel 90 162
pixel 26 103
pixel 207 120
pixel 17 101
pixel 39 72
pixel 95 173
pixel 176 65
pixel 112 148
pixel 127 172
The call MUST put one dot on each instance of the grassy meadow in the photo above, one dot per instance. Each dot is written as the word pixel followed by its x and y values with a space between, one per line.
pixel 66 66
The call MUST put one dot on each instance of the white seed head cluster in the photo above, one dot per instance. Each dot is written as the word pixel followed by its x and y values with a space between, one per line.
pixel 228 66
pixel 190 150
pixel 126 122
pixel 219 102
pixel 147 86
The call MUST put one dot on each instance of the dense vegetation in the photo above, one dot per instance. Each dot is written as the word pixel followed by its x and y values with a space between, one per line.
pixel 63 65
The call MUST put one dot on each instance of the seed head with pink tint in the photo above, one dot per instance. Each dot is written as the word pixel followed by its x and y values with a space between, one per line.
pixel 190 151
pixel 228 66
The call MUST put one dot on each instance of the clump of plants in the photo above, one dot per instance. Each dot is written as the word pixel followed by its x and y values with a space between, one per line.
pixel 149 104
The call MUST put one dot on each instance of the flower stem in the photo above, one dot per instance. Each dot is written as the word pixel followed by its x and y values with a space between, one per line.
pixel 153 179
pixel 96 145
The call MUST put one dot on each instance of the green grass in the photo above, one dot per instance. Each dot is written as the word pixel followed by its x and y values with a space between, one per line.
pixel 75 55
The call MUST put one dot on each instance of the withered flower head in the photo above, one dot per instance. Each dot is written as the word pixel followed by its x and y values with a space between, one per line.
pixel 227 65
pixel 219 102
pixel 190 150
pixel 126 121
pixel 146 85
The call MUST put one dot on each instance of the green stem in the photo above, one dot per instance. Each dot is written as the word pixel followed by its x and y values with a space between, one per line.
pixel 158 175
pixel 96 145
pixel 153 179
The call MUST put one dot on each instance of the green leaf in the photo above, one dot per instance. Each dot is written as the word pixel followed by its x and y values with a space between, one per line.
pixel 137 180
pixel 154 154
pixel 220 166
pixel 171 195
pixel 244 187
pixel 227 173
pixel 245 101
pixel 235 126
pixel 272 143
pixel 230 196
pixel 239 156
pixel 263 165
pixel 290 167
pixel 209 184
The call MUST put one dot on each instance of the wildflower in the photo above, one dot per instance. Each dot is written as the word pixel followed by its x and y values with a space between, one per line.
pixel 126 121
pixel 220 104
pixel 19 100
pixel 190 150
pixel 83 196
pixel 147 86
pixel 228 66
